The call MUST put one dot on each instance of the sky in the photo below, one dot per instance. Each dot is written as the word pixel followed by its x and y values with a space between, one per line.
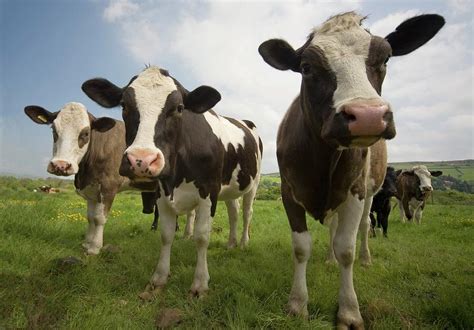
pixel 49 48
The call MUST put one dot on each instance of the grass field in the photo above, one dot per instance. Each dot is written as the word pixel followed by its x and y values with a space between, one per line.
pixel 421 277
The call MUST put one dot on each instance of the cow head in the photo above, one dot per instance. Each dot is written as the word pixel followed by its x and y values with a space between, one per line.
pixel 343 67
pixel 424 177
pixel 152 104
pixel 71 127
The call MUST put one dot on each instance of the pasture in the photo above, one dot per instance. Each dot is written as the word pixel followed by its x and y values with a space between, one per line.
pixel 421 277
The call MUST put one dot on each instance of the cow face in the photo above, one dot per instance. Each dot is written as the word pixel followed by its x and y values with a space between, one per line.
pixel 71 128
pixel 343 67
pixel 152 104
pixel 424 177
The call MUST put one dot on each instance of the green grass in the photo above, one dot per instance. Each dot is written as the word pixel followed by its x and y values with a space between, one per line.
pixel 421 277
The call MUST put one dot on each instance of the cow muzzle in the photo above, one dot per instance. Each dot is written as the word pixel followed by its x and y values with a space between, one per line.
pixel 142 163
pixel 61 168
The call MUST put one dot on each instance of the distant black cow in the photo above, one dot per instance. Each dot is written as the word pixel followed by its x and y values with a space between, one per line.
pixel 381 204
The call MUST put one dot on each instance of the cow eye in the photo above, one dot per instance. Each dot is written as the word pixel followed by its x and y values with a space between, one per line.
pixel 305 68
pixel 386 60
pixel 180 108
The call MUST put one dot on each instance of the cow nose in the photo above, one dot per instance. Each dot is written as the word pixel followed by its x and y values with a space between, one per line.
pixel 59 167
pixel 145 162
pixel 427 188
pixel 366 119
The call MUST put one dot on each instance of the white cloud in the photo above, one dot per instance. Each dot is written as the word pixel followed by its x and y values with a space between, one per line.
pixel 216 44
pixel 117 9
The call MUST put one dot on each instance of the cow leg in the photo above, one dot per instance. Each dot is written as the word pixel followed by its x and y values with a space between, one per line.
pixel 97 211
pixel 384 217
pixel 418 212
pixel 154 225
pixel 301 239
pixel 331 258
pixel 373 223
pixel 167 231
pixel 233 214
pixel 91 227
pixel 201 237
pixel 247 208
pixel 402 211
pixel 350 214
pixel 188 230
pixel 364 227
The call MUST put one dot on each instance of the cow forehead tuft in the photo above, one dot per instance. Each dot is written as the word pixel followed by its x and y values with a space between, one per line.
pixel 338 23
pixel 153 77
pixel 72 114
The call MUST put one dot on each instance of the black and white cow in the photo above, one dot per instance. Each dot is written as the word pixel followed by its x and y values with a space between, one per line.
pixel 381 205
pixel 197 156
pixel 330 146
pixel 413 189
pixel 91 149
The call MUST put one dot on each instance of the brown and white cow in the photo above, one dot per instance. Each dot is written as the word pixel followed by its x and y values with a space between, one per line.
pixel 197 156
pixel 413 189
pixel 331 143
pixel 91 149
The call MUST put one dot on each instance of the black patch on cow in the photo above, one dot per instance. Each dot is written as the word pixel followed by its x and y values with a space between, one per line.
pixel 249 124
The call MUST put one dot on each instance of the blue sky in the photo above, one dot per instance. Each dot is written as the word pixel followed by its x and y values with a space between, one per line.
pixel 49 48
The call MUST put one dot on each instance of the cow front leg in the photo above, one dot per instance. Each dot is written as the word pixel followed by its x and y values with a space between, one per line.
pixel 201 237
pixel 402 211
pixel 350 214
pixel 90 233
pixel 331 257
pixel 188 230
pixel 95 234
pixel 233 214
pixel 364 227
pixel 301 241
pixel 167 230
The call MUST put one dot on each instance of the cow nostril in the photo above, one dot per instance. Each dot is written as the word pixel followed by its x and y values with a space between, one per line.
pixel 348 116
pixel 68 166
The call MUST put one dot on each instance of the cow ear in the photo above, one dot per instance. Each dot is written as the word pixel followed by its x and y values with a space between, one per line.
pixel 414 33
pixel 103 124
pixel 280 55
pixel 436 173
pixel 201 99
pixel 40 115
pixel 103 92
pixel 398 172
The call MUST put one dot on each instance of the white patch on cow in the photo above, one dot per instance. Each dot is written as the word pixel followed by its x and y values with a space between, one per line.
pixel 151 89
pixel 299 292
pixel 424 175
pixel 71 120
pixel 231 190
pixel 346 46
pixel 185 198
pixel 349 215
pixel 227 132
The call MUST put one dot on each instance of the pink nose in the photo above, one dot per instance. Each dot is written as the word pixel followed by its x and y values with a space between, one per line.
pixel 145 162
pixel 366 119
pixel 59 167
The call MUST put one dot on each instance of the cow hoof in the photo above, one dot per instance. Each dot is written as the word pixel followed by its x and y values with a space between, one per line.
pixel 232 245
pixel 197 294
pixel 150 292
pixel 349 324
pixel 86 245
pixel 93 251
pixel 244 244
pixel 188 236
pixel 295 308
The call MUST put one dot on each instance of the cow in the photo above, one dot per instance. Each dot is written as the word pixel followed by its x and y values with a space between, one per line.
pixel 197 156
pixel 413 189
pixel 331 148
pixel 381 205
pixel 90 149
